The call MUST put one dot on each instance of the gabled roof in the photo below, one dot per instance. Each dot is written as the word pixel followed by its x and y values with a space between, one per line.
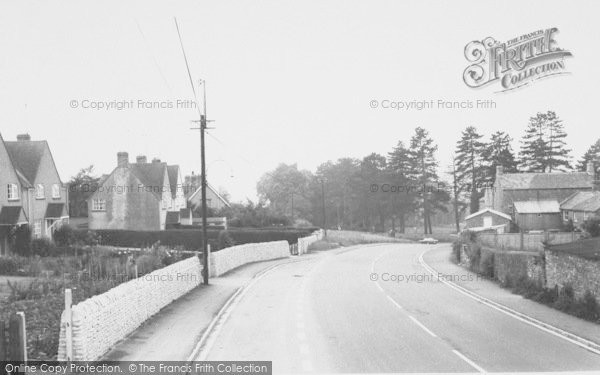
pixel 150 175
pixel 486 210
pixel 55 211
pixel 537 207
pixel 26 157
pixel 582 201
pixel 209 187
pixel 529 181
pixel 173 171
pixel 172 217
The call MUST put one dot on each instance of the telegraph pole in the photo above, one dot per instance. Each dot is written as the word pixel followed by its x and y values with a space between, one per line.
pixel 323 200
pixel 202 129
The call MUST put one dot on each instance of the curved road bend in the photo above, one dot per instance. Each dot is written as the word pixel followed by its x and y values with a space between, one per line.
pixel 327 315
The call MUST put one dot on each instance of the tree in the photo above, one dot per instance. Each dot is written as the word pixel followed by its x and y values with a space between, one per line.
pixel 81 187
pixel 422 171
pixel 498 152
pixel 543 147
pixel 592 154
pixel 285 190
pixel 470 171
pixel 398 170
pixel 458 205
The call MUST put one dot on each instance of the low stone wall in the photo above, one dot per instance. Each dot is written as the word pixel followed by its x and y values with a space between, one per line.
pixel 512 266
pixel 227 259
pixel 567 269
pixel 103 320
pixel 305 242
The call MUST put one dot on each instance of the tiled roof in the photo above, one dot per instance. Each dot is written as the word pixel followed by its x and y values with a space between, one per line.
pixel 26 157
pixel 526 181
pixel 151 175
pixel 537 207
pixel 582 201
pixel 173 170
pixel 12 215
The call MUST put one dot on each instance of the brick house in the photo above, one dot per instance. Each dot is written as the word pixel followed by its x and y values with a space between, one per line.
pixel 523 187
pixel 135 196
pixel 214 200
pixel 580 206
pixel 32 193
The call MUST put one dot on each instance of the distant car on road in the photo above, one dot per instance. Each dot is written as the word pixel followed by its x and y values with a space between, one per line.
pixel 429 241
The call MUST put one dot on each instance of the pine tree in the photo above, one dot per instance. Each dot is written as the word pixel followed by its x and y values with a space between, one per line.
pixel 592 154
pixel 498 152
pixel 422 171
pixel 470 170
pixel 543 147
pixel 398 169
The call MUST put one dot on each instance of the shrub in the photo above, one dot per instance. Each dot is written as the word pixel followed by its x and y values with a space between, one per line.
pixel 225 239
pixel 486 264
pixel 588 307
pixel 592 226
pixel 41 247
pixel 455 256
pixel 474 251
pixel 547 296
pixel 8 266
pixel 21 240
pixel 566 299
pixel 64 236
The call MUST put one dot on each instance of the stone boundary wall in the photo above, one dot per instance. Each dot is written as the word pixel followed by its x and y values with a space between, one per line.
pixel 567 269
pixel 98 323
pixel 229 258
pixel 305 242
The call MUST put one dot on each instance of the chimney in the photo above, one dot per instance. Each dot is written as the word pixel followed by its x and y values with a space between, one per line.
pixel 23 137
pixel 141 159
pixel 591 170
pixel 156 160
pixel 122 159
pixel 499 170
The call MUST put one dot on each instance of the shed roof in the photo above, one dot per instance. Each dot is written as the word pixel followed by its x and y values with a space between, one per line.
pixel 588 201
pixel 537 207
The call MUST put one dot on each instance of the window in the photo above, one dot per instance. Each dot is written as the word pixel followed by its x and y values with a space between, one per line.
pixel 98 204
pixel 584 215
pixel 37 228
pixel 55 191
pixel 13 192
pixel 566 215
pixel 39 191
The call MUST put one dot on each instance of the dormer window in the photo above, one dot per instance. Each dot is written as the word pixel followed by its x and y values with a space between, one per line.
pixel 39 191
pixel 13 192
pixel 55 191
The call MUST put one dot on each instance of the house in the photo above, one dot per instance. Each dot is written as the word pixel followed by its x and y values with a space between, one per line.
pixel 522 187
pixel 214 201
pixel 488 218
pixel 33 192
pixel 580 206
pixel 135 196
pixel 537 215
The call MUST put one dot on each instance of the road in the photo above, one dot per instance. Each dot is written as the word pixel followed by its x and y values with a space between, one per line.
pixel 329 314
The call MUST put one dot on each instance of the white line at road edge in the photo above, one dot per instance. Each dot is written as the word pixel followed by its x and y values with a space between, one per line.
pixel 421 325
pixel 473 364
pixel 211 332
pixel 570 337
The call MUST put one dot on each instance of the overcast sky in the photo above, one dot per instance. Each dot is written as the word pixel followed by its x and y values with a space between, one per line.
pixel 287 81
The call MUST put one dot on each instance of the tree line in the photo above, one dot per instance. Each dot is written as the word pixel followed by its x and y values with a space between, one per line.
pixel 353 193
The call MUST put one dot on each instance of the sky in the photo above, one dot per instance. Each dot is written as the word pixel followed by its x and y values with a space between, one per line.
pixel 286 82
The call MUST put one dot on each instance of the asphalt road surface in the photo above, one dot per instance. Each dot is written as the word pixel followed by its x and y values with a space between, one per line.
pixel 343 311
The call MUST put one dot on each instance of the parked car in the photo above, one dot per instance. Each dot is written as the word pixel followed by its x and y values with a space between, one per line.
pixel 429 241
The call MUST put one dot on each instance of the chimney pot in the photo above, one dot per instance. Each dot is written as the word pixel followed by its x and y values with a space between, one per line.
pixel 141 159
pixel 23 137
pixel 122 159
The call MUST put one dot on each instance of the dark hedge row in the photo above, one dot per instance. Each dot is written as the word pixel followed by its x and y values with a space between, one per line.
pixel 189 239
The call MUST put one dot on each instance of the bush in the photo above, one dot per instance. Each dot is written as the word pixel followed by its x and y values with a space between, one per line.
pixel 474 251
pixel 21 239
pixel 588 307
pixel 225 239
pixel 455 256
pixel 42 247
pixel 64 236
pixel 486 264
pixel 566 299
pixel 592 226
pixel 8 266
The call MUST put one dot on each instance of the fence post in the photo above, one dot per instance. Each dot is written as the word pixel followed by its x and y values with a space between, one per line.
pixel 17 338
pixel 522 246
pixel 208 260
pixel 68 325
